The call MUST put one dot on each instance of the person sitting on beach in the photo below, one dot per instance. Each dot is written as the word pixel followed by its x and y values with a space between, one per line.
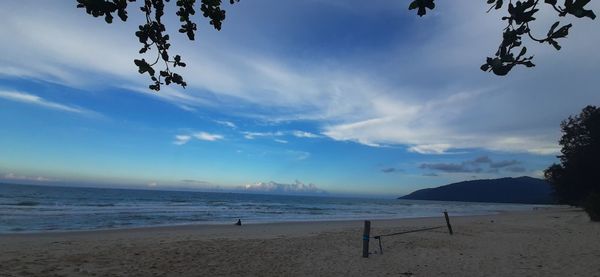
pixel 239 222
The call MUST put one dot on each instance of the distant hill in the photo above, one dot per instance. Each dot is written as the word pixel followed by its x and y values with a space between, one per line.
pixel 524 190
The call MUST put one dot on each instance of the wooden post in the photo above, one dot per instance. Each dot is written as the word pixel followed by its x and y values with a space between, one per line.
pixel 366 235
pixel 448 222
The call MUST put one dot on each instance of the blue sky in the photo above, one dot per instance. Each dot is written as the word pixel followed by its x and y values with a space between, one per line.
pixel 354 99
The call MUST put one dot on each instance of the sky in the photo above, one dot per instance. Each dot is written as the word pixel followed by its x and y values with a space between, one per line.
pixel 310 96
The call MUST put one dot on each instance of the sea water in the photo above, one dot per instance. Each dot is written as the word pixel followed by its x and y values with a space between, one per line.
pixel 25 208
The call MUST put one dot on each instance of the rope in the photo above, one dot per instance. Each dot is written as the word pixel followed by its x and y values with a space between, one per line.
pixel 378 238
pixel 406 232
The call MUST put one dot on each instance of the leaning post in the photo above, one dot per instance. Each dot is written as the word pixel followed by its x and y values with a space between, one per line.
pixel 448 222
pixel 366 235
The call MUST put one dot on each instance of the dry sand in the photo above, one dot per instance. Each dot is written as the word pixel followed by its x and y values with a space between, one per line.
pixel 549 242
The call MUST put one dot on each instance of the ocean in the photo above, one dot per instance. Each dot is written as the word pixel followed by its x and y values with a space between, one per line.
pixel 28 208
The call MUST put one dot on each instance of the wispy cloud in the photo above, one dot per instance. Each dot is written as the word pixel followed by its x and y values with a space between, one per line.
pixel 182 139
pixel 207 136
pixel 39 101
pixel 438 126
pixel 430 148
pixel 226 123
pixel 253 135
pixel 185 138
pixel 304 134
pixel 295 133
pixel 433 105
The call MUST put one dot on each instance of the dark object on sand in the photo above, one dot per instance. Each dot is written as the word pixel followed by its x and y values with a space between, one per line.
pixel 366 236
pixel 448 222
pixel 239 222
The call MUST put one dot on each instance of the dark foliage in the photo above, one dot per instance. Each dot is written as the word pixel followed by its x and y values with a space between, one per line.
pixel 153 32
pixel 524 190
pixel 576 180
pixel 592 206
pixel 520 14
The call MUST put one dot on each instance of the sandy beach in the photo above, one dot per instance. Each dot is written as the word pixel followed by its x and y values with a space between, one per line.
pixel 544 242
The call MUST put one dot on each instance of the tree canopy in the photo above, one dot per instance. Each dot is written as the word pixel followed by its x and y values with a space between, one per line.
pixel 153 34
pixel 576 180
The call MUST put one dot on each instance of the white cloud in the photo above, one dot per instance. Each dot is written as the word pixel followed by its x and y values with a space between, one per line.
pixel 185 138
pixel 39 101
pixel 303 134
pixel 278 188
pixel 424 91
pixel 430 148
pixel 253 135
pixel 187 108
pixel 296 133
pixel 440 125
pixel 182 139
pixel 281 141
pixel 207 136
pixel 226 123
pixel 60 48
pixel 538 174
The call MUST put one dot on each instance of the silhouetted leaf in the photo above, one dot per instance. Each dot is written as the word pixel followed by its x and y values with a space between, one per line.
pixel 422 6
pixel 577 8
pixel 497 4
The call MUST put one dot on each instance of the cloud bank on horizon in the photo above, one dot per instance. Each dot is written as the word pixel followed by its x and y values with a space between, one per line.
pixel 280 97
pixel 296 188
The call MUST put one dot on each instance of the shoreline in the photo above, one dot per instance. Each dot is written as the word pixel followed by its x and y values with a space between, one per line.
pixel 226 227
pixel 251 222
pixel 218 224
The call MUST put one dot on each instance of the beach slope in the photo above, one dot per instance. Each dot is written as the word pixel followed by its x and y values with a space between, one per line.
pixel 544 242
